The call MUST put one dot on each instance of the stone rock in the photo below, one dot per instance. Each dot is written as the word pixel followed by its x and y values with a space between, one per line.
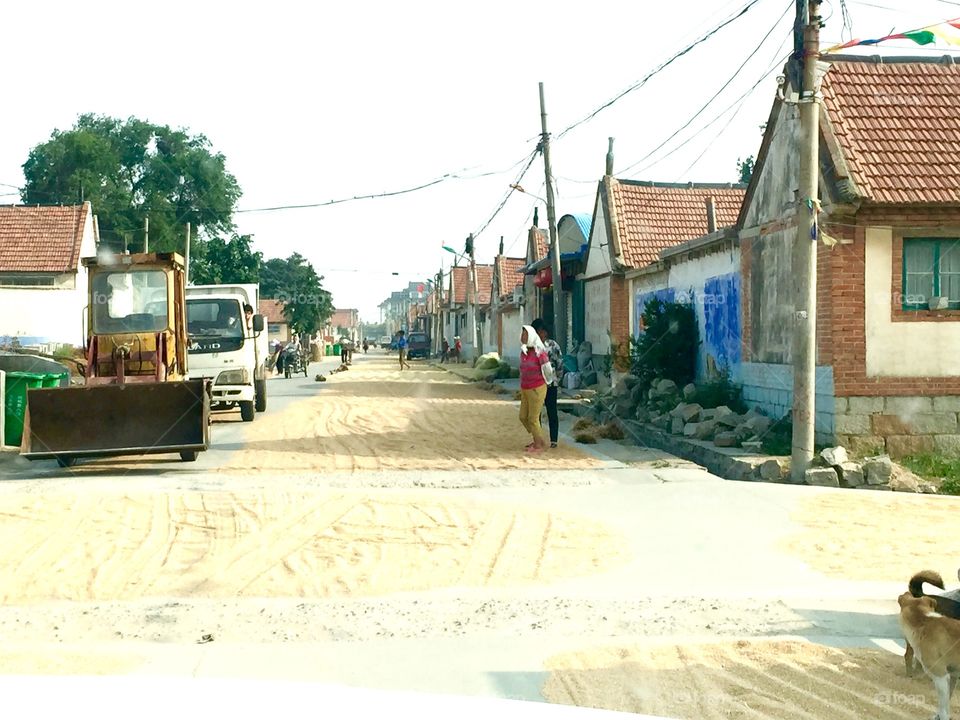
pixel 823 477
pixel 851 474
pixel 690 429
pixel 878 470
pixel 637 394
pixel 677 426
pixel 705 430
pixel 643 415
pixel 754 446
pixel 689 413
pixel 723 410
pixel 928 488
pixel 771 471
pixel 834 456
pixel 708 414
pixel 666 387
pixel 689 392
pixel 730 420
pixel 758 424
pixel 902 480
pixel 663 422
pixel 625 385
pixel 625 411
pixel 725 439
pixel 678 410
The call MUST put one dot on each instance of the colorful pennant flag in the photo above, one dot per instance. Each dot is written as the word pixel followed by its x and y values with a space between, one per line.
pixel 947 32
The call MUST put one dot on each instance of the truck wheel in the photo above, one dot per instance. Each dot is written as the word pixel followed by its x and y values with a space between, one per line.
pixel 248 411
pixel 188 455
pixel 260 393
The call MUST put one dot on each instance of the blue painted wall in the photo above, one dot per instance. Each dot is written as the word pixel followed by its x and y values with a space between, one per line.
pixel 666 295
pixel 721 332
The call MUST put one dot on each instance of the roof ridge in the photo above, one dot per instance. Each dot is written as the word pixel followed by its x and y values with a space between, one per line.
pixel 892 59
pixel 683 186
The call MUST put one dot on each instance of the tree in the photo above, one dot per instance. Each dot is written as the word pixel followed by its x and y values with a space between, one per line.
pixel 668 346
pixel 745 169
pixel 295 283
pixel 220 262
pixel 132 170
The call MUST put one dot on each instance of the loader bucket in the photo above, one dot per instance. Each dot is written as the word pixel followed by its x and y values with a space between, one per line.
pixel 123 419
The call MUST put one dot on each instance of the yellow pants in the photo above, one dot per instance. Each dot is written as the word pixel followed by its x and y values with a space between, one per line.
pixel 531 404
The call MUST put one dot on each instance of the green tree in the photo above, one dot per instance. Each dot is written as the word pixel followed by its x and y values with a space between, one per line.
pixel 668 346
pixel 131 170
pixel 294 282
pixel 219 262
pixel 745 169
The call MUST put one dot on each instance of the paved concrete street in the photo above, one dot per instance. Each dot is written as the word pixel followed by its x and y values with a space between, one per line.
pixel 393 543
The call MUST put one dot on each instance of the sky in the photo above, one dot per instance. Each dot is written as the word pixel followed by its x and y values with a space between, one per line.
pixel 315 101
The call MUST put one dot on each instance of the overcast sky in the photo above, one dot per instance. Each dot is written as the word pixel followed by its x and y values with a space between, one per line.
pixel 312 101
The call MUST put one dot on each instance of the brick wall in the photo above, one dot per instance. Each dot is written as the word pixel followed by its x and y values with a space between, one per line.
pixel 619 308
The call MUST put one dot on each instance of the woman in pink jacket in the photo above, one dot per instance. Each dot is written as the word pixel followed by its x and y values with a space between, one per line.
pixel 535 373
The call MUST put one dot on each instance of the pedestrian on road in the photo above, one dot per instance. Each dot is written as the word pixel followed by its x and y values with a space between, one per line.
pixel 555 354
pixel 344 351
pixel 535 373
pixel 446 351
pixel 402 347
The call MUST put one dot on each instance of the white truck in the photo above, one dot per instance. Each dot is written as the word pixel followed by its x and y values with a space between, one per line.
pixel 227 348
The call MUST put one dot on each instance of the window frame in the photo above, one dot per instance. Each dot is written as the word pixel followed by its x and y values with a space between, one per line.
pixel 937 242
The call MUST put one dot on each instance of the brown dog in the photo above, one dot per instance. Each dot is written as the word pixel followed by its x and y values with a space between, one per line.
pixel 935 640
pixel 947 604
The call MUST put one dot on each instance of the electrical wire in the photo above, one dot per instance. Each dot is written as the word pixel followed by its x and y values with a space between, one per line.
pixel 506 197
pixel 660 68
pixel 714 97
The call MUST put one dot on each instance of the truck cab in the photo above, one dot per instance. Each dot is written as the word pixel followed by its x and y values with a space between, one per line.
pixel 227 348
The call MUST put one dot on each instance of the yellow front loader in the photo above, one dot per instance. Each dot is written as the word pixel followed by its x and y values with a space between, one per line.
pixel 135 399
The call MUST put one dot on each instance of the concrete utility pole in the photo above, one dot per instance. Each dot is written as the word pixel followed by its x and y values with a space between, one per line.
pixel 146 234
pixel 805 248
pixel 186 261
pixel 472 299
pixel 559 302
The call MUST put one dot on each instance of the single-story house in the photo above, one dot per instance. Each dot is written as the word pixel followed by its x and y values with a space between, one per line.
pixel 278 327
pixel 888 265
pixel 507 311
pixel 43 285
pixel 456 307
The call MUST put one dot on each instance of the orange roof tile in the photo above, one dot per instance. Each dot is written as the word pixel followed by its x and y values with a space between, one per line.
pixel 41 238
pixel 461 281
pixel 272 310
pixel 542 247
pixel 509 270
pixel 898 126
pixel 652 217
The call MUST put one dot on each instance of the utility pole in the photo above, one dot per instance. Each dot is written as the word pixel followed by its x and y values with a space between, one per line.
pixel 559 304
pixel 186 260
pixel 146 234
pixel 805 247
pixel 472 299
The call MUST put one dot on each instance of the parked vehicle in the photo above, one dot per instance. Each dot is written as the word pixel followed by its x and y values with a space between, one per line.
pixel 226 349
pixel 386 341
pixel 418 345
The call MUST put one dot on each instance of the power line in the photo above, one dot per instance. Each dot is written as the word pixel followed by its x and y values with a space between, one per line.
pixel 506 197
pixel 715 95
pixel 743 11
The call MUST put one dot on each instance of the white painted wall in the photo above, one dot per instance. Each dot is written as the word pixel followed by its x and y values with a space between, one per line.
pixel 55 313
pixel 512 325
pixel 640 286
pixel 598 257
pixel 597 314
pixel 902 349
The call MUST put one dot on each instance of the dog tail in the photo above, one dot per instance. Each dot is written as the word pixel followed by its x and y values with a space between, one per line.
pixel 924 576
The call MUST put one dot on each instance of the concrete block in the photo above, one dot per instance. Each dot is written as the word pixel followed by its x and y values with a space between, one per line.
pixel 908 405
pixel 863 445
pixel 772 470
pixel 899 446
pixel 852 425
pixel 725 439
pixel 840 405
pixel 877 470
pixel 946 403
pixel 823 477
pixel 851 474
pixel 690 430
pixel 834 456
pixel 947 444
pixel 916 424
pixel 864 405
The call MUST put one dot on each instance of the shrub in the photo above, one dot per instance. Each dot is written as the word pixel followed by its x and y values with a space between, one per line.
pixel 583 423
pixel 611 431
pixel 668 346
pixel 585 437
pixel 721 392
pixel 936 467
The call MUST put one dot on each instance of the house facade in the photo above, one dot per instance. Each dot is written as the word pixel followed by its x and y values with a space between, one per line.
pixel 507 310
pixel 43 285
pixel 278 327
pixel 888 265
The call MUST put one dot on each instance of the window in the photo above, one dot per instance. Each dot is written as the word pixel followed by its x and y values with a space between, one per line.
pixel 129 302
pixel 25 280
pixel 931 268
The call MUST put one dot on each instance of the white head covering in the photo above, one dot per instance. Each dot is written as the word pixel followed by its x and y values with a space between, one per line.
pixel 533 341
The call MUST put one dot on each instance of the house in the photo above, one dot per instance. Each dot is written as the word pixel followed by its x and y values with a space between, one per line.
pixel 506 316
pixel 633 221
pixel 43 286
pixel 344 323
pixel 278 327
pixel 888 264
pixel 456 309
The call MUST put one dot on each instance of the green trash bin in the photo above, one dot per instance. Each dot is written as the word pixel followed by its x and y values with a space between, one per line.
pixel 336 349
pixel 53 379
pixel 15 404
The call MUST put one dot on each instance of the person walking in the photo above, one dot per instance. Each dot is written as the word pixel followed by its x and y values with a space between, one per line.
pixel 555 354
pixel 402 347
pixel 535 373
pixel 445 351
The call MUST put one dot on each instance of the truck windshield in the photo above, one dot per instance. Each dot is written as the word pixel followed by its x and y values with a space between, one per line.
pixel 214 318
pixel 129 301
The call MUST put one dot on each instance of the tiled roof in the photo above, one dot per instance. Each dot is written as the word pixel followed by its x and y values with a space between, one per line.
pixel 343 318
pixel 898 126
pixel 461 281
pixel 510 272
pixel 272 310
pixel 542 243
pixel 651 217
pixel 41 238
